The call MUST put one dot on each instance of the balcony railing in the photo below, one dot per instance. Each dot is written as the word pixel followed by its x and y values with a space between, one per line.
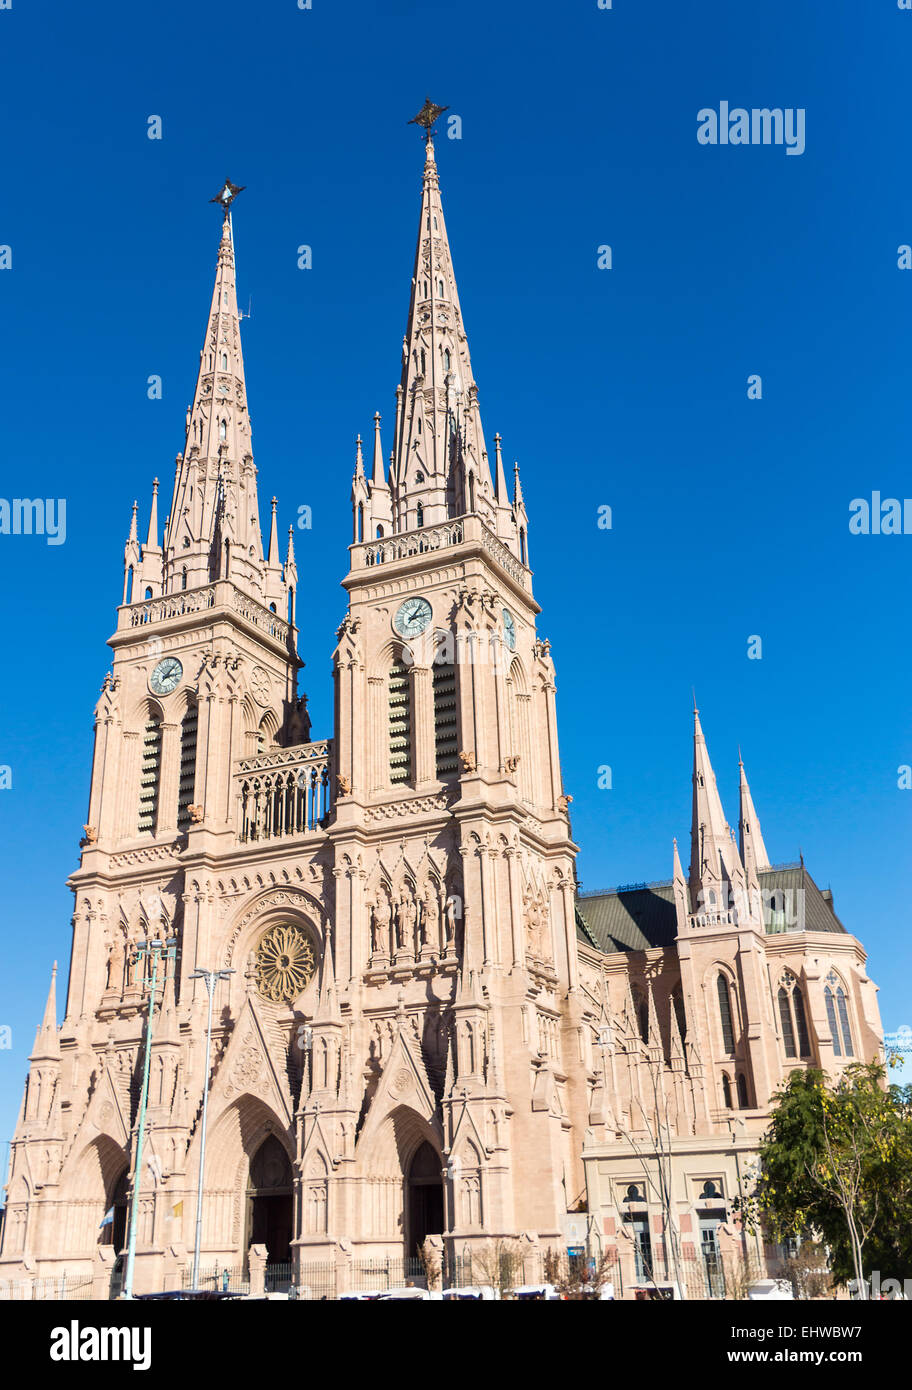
pixel 429 539
pixel 285 792
pixel 223 593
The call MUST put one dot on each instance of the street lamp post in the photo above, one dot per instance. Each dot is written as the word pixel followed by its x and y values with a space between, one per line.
pixel 210 976
pixel 156 950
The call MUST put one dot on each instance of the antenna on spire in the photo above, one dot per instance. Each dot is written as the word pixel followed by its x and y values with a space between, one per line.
pixel 241 314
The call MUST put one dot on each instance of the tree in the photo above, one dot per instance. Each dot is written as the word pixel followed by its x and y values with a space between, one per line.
pixel 578 1278
pixel 837 1160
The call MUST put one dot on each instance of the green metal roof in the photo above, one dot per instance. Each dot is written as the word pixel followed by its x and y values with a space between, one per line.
pixel 642 916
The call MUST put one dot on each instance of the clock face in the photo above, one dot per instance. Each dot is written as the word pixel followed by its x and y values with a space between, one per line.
pixel 509 629
pixel 412 617
pixel 166 676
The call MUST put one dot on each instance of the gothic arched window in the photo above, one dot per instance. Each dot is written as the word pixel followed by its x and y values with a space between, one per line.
pixel 224 361
pixel 796 1039
pixel 446 359
pixel 743 1099
pixel 150 772
pixel 838 1016
pixel 522 544
pixel 400 724
pixel 419 515
pixel 725 1012
pixel 359 536
pixel 726 1091
pixel 187 783
pixel 223 429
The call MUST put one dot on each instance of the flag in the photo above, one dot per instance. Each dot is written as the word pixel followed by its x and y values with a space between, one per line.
pixel 108 1219
pixel 178 1210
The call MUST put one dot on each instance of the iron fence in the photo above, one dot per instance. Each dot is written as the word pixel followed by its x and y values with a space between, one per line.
pixel 317 1280
pixel 50 1288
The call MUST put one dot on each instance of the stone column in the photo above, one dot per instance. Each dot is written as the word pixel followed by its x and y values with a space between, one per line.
pixel 257 1265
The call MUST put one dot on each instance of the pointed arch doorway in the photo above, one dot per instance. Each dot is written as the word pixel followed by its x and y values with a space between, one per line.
pixel 424 1202
pixel 270 1199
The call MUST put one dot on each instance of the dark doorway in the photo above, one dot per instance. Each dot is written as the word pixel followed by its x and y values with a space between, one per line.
pixel 425 1197
pixel 269 1201
pixel 114 1231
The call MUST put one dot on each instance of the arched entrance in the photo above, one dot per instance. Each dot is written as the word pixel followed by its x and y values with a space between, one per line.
pixel 425 1197
pixel 114 1231
pixel 270 1201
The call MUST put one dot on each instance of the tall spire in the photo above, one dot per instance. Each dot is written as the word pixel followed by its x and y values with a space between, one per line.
pixel 47 1045
pixel 714 863
pixel 213 529
pixel 440 466
pixel 753 850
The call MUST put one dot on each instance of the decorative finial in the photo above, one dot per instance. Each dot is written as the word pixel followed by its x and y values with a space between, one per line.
pixel 427 116
pixel 228 194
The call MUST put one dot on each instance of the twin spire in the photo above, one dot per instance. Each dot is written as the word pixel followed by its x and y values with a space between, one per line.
pixel 213 527
pixel 439 466
pixel 722 872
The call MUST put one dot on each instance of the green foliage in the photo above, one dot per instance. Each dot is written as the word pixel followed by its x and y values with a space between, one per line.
pixel 837 1160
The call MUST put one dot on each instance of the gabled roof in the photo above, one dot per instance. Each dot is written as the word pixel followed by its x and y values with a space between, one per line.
pixel 642 916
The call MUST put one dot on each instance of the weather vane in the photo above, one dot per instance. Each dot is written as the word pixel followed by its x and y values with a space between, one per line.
pixel 427 116
pixel 228 194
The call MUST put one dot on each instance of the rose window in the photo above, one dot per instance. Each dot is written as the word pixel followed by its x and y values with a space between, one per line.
pixel 285 963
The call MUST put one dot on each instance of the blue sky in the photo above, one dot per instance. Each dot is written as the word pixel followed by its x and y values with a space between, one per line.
pixel 625 387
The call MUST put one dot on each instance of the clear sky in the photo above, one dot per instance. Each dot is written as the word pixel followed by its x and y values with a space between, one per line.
pixel 625 387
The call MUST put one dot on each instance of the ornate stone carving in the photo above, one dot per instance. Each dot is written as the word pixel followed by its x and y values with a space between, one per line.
pixel 285 962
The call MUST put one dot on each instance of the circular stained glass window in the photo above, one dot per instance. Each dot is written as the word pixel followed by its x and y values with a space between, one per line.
pixel 285 963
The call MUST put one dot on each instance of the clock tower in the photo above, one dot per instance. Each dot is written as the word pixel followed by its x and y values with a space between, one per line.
pixel 454 861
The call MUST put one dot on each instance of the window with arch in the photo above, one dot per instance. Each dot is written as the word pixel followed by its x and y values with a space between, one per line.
pixel 184 577
pixel 400 724
pixel 224 361
pixel 148 593
pixel 446 735
pixel 446 359
pixel 838 1016
pixel 419 515
pixel 637 1223
pixel 796 1040
pixel 150 774
pixel 727 1091
pixel 379 533
pixel 223 429
pixel 419 476
pixel 522 544
pixel 723 991
pixel 359 534
pixel 743 1098
pixel 471 492
pixel 440 290
pixel 187 782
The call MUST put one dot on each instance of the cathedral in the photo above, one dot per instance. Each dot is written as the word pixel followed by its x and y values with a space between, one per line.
pixel 423 1036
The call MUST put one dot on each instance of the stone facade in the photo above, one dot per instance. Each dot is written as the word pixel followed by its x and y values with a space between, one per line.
pixel 426 1031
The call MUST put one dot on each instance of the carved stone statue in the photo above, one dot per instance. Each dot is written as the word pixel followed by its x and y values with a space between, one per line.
pixel 380 920
pixel 450 915
pixel 114 976
pixel 409 916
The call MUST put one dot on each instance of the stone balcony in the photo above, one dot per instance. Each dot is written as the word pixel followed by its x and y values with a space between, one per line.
pixel 284 793
pixel 463 534
pixel 222 594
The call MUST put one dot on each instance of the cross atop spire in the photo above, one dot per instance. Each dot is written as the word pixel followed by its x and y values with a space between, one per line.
pixel 227 195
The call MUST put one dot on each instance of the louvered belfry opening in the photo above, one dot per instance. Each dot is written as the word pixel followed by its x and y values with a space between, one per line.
pixel 400 724
pixel 446 733
pixel 187 785
pixel 150 771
